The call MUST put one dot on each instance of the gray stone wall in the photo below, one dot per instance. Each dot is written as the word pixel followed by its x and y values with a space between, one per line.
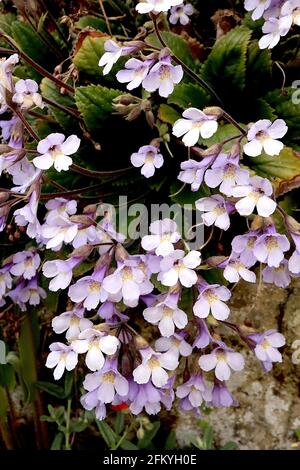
pixel 269 404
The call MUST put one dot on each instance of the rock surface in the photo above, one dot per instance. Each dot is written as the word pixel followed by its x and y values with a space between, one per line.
pixel 269 404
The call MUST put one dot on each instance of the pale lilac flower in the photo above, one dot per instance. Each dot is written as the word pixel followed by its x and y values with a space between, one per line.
pixel 6 82
pixel 294 263
pixel 273 29
pixel 90 402
pixel 280 276
pixel 179 267
pixel 72 322
pixel 148 159
pixel 61 357
pixel 128 282
pixel 235 269
pixel 112 54
pixel 27 292
pixel 265 347
pixel 194 124
pixel 144 396
pixel 203 337
pixel 221 396
pixel 27 216
pixel 55 151
pixel 109 312
pixel 194 391
pixel 166 315
pixel 95 343
pixel 163 76
pixel 57 231
pixel 270 247
pixel 175 345
pixel 258 7
pixel 193 172
pixel 227 173
pixel 153 367
pixel 134 73
pixel 222 360
pixel 181 13
pixel 291 8
pixel 156 6
pixel 211 300
pixel 216 209
pixel 256 194
pixel 263 135
pixel 26 94
pixel 5 279
pixel 243 246
pixel 106 383
pixel 89 290
pixel 61 271
pixel 164 235
pixel 25 264
pixel 24 175
pixel 58 209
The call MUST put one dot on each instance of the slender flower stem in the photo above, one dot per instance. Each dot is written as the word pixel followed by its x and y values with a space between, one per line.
pixel 33 64
pixel 183 65
pixel 233 121
pixel 65 109
pixel 25 123
pixel 105 17
pixel 68 419
pixel 98 174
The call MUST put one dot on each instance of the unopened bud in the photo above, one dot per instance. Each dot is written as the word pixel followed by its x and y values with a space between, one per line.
pixel 213 111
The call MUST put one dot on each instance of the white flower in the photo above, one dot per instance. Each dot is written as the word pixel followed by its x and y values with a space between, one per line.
pixel 256 194
pixel 157 6
pixel 196 123
pixel 55 150
pixel 263 135
pixel 181 13
pixel 71 322
pixel 164 235
pixel 148 159
pixel 166 315
pixel 26 94
pixel 179 267
pixel 95 343
pixel 153 368
pixel 216 211
pixel 61 357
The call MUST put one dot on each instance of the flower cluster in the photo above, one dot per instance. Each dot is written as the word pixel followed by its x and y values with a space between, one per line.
pixel 279 16
pixel 189 360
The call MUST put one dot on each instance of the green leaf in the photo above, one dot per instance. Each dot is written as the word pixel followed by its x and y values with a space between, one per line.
pixel 28 344
pixel 91 21
pixel 87 57
pixel 119 423
pixel 127 445
pixel 171 441
pixel 107 433
pixel 284 169
pixel 7 376
pixel 149 436
pixel 229 446
pixel 6 21
pixel 258 68
pixel 208 437
pixel 223 133
pixel 51 91
pixel 168 114
pixel 225 67
pixel 95 104
pixel 186 95
pixel 265 110
pixel 57 442
pixel 282 102
pixel 53 389
pixel 30 42
pixel 69 378
pixel 178 45
pixel 4 405
pixel 2 352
